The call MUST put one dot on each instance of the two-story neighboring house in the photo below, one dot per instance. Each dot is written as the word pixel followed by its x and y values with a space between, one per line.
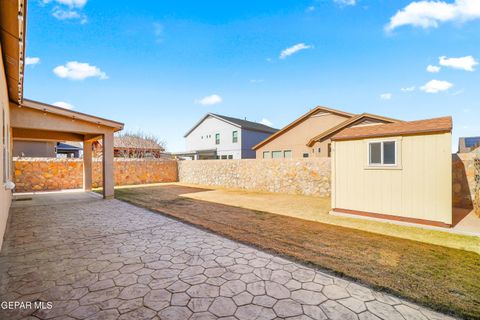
pixel 220 137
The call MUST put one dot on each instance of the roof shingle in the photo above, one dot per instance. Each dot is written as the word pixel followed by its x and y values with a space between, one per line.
pixel 443 124
pixel 249 125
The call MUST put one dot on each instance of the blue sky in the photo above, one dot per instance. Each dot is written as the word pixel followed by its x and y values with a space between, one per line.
pixel 158 66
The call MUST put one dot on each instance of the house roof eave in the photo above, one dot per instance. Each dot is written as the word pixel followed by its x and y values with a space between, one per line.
pixel 344 124
pixel 300 120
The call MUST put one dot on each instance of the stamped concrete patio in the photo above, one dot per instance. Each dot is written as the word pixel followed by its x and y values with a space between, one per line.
pixel 106 259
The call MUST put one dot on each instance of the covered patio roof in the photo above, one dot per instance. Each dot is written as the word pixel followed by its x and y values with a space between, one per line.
pixel 33 120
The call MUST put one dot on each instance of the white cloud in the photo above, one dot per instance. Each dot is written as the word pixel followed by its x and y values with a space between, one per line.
pixel 386 96
pixel 68 10
pixel 64 105
pixel 210 100
pixel 61 14
pixel 69 3
pixel 435 86
pixel 346 2
pixel 467 63
pixel 408 89
pixel 75 70
pixel 294 49
pixel 32 60
pixel 429 14
pixel 266 122
pixel 433 69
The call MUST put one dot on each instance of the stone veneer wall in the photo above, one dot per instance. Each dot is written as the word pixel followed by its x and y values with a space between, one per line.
pixel 41 174
pixel 464 185
pixel 294 176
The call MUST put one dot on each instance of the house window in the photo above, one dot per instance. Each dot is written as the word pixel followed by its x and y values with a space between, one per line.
pixel 266 154
pixel 329 150
pixel 287 154
pixel 276 154
pixel 230 157
pixel 224 157
pixel 306 155
pixel 217 138
pixel 319 150
pixel 235 136
pixel 382 153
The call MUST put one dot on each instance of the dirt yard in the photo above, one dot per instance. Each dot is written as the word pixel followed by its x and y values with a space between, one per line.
pixel 443 278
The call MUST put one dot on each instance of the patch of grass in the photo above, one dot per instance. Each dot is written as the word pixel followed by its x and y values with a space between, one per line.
pixel 317 209
pixel 442 278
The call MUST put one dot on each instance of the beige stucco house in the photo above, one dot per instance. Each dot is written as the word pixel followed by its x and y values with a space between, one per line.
pixel 23 119
pixel 399 171
pixel 310 135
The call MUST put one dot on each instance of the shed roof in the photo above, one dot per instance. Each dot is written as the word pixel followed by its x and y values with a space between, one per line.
pixel 436 125
pixel 244 124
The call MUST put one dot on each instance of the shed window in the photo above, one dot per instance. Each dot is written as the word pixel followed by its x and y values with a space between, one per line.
pixel 382 153
pixel 276 154
pixel 287 154
pixel 266 155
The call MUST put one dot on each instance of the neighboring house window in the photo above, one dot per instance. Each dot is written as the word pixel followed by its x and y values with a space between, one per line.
pixel 382 153
pixel 319 150
pixel 224 157
pixel 276 154
pixel 235 136
pixel 217 138
pixel 306 155
pixel 266 154
pixel 230 157
pixel 287 153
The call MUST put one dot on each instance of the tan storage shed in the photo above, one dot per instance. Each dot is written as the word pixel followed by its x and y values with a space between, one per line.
pixel 399 171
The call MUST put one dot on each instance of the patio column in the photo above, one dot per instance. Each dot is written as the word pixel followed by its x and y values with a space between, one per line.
pixel 87 166
pixel 108 176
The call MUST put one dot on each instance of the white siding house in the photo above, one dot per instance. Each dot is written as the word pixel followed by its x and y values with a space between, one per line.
pixel 220 137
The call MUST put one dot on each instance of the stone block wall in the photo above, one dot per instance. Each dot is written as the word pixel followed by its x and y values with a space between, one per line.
pixel 46 174
pixel 464 184
pixel 294 176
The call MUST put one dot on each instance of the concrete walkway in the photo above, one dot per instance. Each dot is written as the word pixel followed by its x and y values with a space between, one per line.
pixel 105 259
